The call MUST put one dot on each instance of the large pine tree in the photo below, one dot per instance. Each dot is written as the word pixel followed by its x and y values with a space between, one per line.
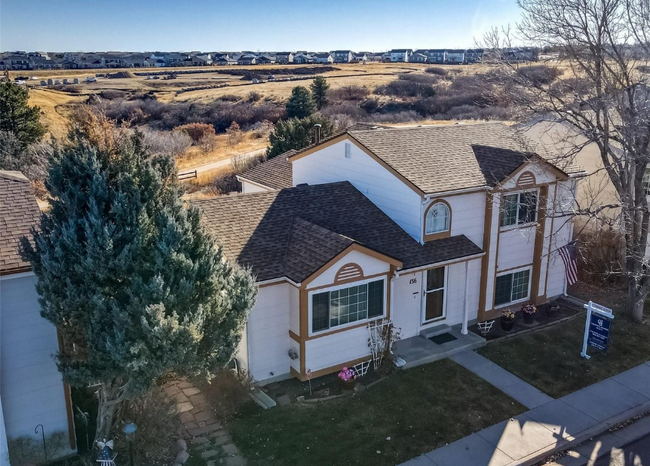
pixel 319 89
pixel 17 116
pixel 300 104
pixel 128 275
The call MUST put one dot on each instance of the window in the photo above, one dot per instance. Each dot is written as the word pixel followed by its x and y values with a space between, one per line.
pixel 646 183
pixel 512 287
pixel 519 208
pixel 437 220
pixel 348 149
pixel 346 305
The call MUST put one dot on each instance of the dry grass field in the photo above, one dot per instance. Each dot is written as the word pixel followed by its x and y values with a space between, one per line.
pixel 195 157
pixel 55 108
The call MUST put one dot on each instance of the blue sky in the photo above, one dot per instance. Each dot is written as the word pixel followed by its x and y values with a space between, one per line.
pixel 210 25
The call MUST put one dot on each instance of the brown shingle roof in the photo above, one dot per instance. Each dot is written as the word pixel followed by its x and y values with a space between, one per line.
pixel 293 232
pixel 18 213
pixel 275 173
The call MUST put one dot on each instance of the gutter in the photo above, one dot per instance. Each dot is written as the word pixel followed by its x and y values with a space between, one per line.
pixel 439 264
pixel 273 281
pixel 477 189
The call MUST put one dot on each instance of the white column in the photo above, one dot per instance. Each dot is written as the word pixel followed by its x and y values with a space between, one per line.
pixel 463 329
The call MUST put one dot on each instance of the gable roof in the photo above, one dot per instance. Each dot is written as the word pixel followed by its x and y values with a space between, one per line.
pixel 293 232
pixel 436 159
pixel 19 212
pixel 275 173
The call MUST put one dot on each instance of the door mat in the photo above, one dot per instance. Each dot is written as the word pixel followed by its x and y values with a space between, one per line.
pixel 443 338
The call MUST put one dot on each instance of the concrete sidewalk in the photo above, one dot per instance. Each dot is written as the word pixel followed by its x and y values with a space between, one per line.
pixel 552 426
pixel 496 375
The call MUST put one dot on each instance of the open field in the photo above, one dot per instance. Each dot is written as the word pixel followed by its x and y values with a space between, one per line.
pixel 55 108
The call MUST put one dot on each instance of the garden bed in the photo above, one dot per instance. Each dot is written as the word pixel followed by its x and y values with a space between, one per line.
pixel 409 413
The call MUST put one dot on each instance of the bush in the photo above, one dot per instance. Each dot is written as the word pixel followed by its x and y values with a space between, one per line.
pixel 540 74
pixel 261 129
pixel 158 423
pixel 29 450
pixel 345 108
pixel 227 183
pixel 601 257
pixel 436 70
pixel 235 134
pixel 229 98
pixel 253 96
pixel 227 393
pixel 196 131
pixel 171 143
pixel 349 93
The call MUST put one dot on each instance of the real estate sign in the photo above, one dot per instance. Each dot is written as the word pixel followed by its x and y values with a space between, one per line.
pixel 597 327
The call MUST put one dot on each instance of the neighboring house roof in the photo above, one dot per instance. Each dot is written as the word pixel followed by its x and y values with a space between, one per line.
pixel 19 212
pixel 293 232
pixel 275 173
pixel 437 159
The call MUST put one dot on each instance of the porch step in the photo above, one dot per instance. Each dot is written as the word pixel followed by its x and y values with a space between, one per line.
pixel 435 331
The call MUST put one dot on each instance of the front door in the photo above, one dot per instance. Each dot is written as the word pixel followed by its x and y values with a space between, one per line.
pixel 434 295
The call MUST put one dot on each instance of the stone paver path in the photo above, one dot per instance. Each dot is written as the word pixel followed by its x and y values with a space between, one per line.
pixel 496 375
pixel 555 425
pixel 205 435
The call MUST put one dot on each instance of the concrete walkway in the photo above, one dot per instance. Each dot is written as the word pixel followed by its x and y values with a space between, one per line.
pixel 496 375
pixel 552 426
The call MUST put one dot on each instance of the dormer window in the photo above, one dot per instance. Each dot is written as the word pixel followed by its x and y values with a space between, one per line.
pixel 437 221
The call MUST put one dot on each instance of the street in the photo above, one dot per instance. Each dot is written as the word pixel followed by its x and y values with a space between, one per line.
pixel 635 454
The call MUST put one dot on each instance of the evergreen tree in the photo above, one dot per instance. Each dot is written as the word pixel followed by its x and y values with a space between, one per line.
pixel 128 275
pixel 319 88
pixel 296 133
pixel 17 117
pixel 300 104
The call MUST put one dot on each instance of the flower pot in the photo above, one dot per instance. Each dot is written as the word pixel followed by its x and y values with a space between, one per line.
pixel 528 318
pixel 348 384
pixel 507 324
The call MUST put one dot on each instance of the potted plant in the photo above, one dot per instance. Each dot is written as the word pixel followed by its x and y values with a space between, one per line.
pixel 528 310
pixel 507 320
pixel 347 376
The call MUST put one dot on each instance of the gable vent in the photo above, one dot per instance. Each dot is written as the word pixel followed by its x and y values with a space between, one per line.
pixel 348 272
pixel 526 179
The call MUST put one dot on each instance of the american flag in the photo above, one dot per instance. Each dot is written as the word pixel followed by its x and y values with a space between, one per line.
pixel 569 254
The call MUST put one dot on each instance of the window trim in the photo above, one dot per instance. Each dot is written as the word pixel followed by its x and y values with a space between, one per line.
pixel 423 311
pixel 441 234
pixel 310 302
pixel 511 272
pixel 517 224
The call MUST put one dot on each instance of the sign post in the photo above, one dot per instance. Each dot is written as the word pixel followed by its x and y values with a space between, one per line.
pixel 597 326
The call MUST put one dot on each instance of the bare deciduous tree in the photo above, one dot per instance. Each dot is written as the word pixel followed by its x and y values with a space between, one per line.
pixel 603 96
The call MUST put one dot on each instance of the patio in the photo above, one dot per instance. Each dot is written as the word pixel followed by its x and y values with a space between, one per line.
pixel 422 349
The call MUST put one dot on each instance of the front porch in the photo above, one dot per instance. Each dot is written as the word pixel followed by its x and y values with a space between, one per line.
pixel 422 349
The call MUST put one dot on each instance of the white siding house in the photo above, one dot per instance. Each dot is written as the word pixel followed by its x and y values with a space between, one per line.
pixel 429 227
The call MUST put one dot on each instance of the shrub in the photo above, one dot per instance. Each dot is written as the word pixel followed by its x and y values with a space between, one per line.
pixel 229 98
pixel 158 423
pixel 541 74
pixel 436 70
pixel 196 131
pixel 601 256
pixel 349 93
pixel 253 96
pixel 235 134
pixel 208 143
pixel 261 129
pixel 227 183
pixel 29 450
pixel 171 143
pixel 345 108
pixel 227 393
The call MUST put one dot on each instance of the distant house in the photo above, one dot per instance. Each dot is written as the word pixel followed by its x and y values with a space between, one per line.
pixel 323 57
pixel 455 56
pixel 473 55
pixel 203 59
pixel 32 390
pixel 265 60
pixel 247 60
pixel 400 55
pixel 418 57
pixel 436 56
pixel 174 59
pixel 225 60
pixel 284 58
pixel 360 57
pixel 342 56
pixel 302 58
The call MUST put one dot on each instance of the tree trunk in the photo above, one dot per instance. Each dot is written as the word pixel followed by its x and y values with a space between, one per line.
pixel 110 396
pixel 636 293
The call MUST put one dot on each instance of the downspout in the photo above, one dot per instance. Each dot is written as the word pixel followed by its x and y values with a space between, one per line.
pixel 463 329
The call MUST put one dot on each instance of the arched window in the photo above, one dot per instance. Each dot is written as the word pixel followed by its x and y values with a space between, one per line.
pixel 438 218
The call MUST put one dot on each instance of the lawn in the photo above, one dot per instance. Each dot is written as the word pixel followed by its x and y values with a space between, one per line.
pixel 410 413
pixel 550 359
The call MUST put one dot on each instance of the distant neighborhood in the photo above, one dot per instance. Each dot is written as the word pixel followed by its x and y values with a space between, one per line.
pixel 20 60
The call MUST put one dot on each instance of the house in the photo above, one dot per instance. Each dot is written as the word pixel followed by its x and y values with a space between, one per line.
pixel 302 58
pixel 202 59
pixel 31 389
pixel 265 60
pixel 473 55
pixel 225 60
pixel 455 56
pixel 360 57
pixel 247 59
pixel 437 56
pixel 342 56
pixel 284 58
pixel 427 226
pixel 400 55
pixel 418 57
pixel 323 57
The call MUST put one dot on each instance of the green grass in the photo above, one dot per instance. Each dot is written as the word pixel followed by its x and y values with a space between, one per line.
pixel 419 409
pixel 550 359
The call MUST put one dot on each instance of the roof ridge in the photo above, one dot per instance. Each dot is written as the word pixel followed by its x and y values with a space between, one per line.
pixel 432 126
pixel 14 175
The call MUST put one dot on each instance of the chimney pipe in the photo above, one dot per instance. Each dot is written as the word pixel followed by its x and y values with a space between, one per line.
pixel 317 127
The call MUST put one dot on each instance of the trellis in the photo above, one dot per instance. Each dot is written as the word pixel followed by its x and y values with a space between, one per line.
pixel 380 333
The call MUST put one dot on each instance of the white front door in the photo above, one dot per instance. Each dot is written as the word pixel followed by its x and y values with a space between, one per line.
pixel 434 295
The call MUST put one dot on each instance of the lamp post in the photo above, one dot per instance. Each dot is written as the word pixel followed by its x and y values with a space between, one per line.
pixel 129 430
